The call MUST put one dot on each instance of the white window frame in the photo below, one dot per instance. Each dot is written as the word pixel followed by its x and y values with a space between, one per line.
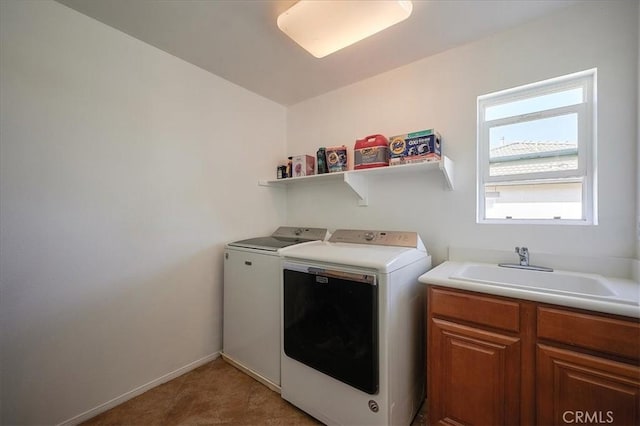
pixel 587 164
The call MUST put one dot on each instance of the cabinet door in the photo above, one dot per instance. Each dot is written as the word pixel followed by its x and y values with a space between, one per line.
pixel 474 376
pixel 574 387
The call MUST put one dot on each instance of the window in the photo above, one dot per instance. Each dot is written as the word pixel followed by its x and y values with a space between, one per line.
pixel 536 153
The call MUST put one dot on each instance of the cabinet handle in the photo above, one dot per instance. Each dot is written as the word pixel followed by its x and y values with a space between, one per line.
pixel 248 263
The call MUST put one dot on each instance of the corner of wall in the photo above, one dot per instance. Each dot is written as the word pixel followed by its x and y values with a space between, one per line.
pixel 637 221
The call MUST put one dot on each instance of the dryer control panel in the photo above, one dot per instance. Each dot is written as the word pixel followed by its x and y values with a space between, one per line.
pixel 379 238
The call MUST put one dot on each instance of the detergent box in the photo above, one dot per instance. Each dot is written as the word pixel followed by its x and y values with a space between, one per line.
pixel 416 147
pixel 337 160
pixel 371 151
pixel 303 165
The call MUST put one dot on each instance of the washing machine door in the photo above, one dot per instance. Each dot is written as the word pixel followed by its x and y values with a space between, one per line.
pixel 331 323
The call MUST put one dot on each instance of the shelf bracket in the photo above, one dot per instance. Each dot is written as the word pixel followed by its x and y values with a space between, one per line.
pixel 446 166
pixel 358 185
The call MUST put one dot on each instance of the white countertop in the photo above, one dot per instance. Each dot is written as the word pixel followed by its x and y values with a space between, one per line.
pixel 626 301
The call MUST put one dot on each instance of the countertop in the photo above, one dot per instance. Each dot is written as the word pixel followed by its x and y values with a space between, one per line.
pixel 626 301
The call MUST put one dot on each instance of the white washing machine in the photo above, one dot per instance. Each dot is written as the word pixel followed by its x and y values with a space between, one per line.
pixel 353 327
pixel 251 301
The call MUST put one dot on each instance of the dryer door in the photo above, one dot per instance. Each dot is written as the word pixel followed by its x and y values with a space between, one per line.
pixel 331 323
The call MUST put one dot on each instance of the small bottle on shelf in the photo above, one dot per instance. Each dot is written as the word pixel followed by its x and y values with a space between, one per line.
pixel 322 160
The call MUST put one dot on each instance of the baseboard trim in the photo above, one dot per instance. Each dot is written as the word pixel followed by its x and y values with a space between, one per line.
pixel 268 383
pixel 138 391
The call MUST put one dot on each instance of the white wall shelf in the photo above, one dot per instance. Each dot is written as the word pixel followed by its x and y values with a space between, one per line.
pixel 358 180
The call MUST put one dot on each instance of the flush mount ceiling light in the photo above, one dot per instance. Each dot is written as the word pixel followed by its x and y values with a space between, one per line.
pixel 325 26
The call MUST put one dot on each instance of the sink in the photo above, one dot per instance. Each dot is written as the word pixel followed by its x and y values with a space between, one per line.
pixel 581 290
pixel 584 285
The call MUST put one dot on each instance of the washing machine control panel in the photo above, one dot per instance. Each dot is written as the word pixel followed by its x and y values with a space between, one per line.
pixel 380 238
pixel 298 232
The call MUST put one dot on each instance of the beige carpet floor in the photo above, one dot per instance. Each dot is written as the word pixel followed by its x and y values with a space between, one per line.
pixel 215 393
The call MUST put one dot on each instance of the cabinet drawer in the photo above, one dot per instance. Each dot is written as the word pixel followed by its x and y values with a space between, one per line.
pixel 600 333
pixel 472 307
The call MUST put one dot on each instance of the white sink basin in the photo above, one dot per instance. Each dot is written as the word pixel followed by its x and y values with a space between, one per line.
pixel 583 285
pixel 580 290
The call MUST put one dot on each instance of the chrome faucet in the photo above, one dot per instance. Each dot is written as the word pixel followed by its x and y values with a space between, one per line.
pixel 523 254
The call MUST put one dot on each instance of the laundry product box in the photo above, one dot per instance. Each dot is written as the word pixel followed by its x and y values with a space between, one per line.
pixel 415 147
pixel 371 151
pixel 337 159
pixel 303 165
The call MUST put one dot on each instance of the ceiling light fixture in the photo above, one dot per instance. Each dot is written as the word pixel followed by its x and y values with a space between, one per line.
pixel 325 26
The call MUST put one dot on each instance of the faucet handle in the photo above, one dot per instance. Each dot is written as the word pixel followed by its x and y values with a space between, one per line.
pixel 521 250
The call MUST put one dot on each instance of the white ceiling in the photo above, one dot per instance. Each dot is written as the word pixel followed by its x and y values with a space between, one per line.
pixel 240 41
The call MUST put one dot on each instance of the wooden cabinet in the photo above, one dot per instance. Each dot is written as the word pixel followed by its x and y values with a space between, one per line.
pixel 587 368
pixel 478 364
pixel 573 386
pixel 475 348
pixel 494 360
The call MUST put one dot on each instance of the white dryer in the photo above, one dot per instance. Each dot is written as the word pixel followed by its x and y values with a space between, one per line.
pixel 353 327
pixel 251 301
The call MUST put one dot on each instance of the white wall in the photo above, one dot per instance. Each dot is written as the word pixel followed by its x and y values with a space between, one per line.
pixel 123 172
pixel 440 92
pixel 638 147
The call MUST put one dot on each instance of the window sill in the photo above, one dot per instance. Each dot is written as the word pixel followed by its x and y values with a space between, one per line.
pixel 551 222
